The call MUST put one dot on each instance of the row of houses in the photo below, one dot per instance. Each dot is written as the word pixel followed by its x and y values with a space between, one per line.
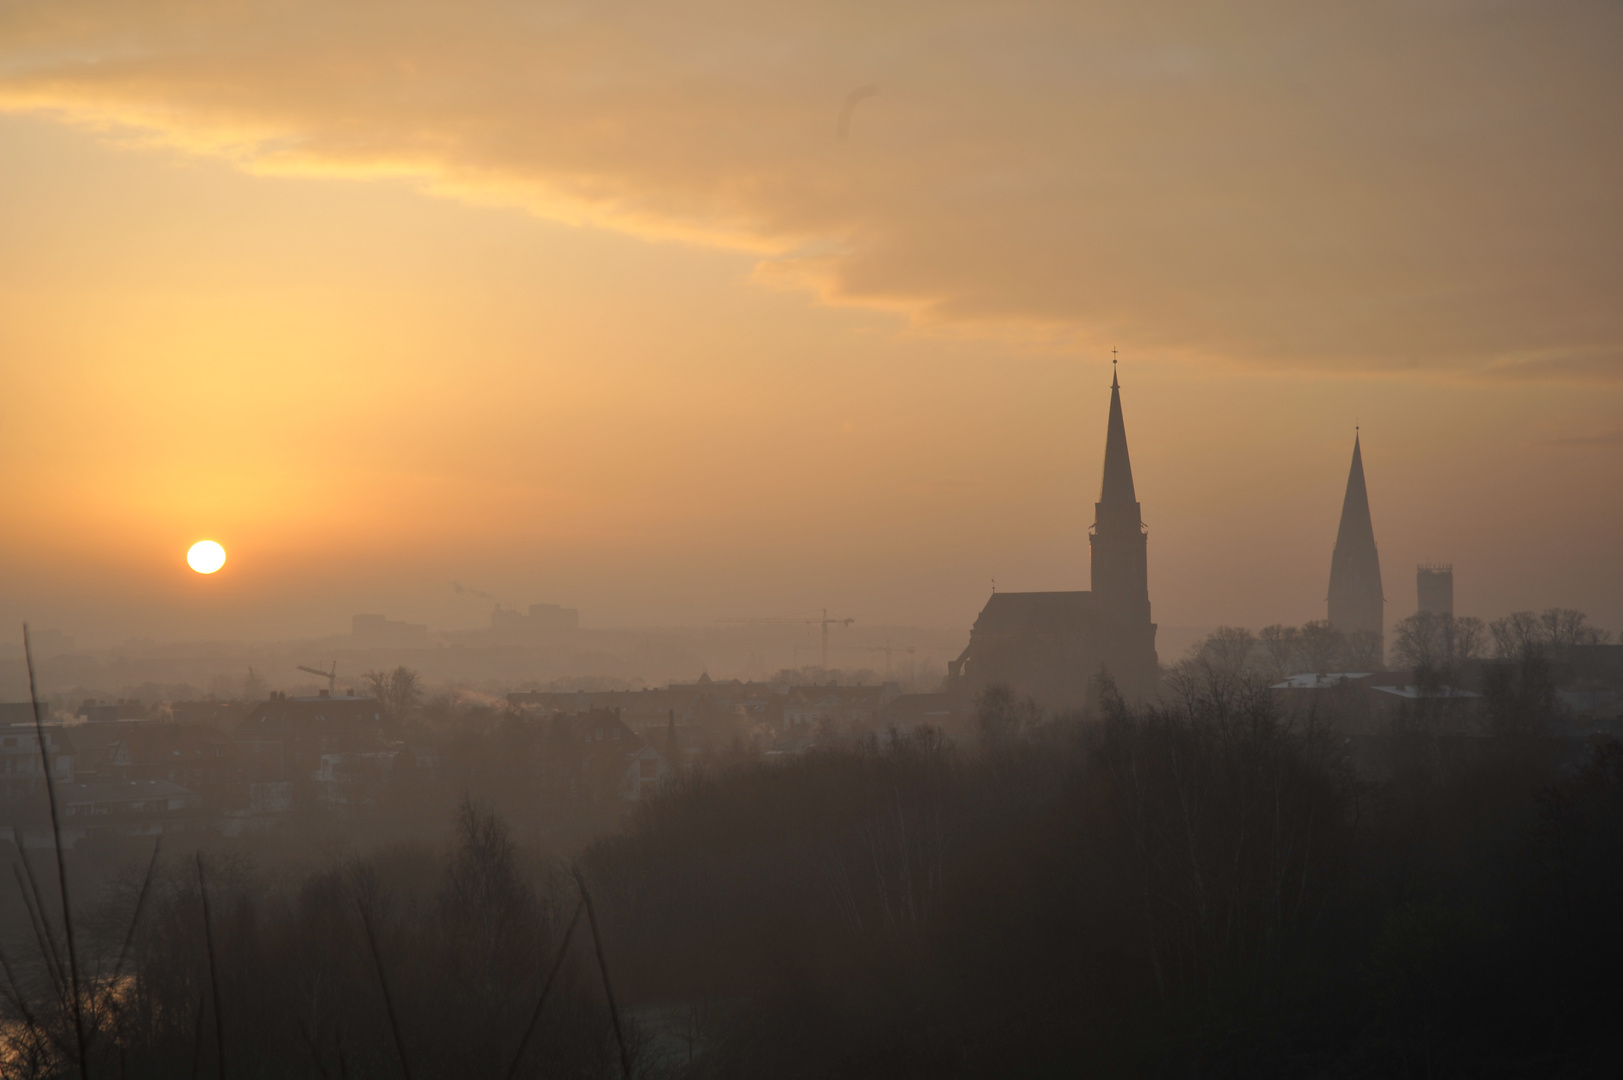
pixel 773 716
pixel 138 777
pixel 1368 701
pixel 190 766
pixel 88 803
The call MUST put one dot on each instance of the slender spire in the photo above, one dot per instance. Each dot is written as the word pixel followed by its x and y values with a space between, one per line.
pixel 1355 568
pixel 1357 528
pixel 1117 541
pixel 1118 484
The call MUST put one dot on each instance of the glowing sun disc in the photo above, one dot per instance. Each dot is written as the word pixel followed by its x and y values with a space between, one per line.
pixel 205 557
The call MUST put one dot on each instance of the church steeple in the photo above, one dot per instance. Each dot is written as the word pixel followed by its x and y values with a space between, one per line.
pixel 1355 567
pixel 1118 485
pixel 1117 542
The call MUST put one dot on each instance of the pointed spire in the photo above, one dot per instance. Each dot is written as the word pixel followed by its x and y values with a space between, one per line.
pixel 1117 542
pixel 1356 527
pixel 1118 485
pixel 1355 567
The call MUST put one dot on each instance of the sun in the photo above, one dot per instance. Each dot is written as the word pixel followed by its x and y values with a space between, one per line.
pixel 206 556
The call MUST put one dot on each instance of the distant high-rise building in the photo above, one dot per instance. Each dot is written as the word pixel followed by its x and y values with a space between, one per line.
pixel 1355 568
pixel 374 631
pixel 1051 645
pixel 542 619
pixel 1434 588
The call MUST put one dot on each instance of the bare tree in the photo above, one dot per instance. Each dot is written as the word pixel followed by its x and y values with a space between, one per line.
pixel 1320 644
pixel 1421 642
pixel 1469 636
pixel 1002 718
pixel 1362 651
pixel 1517 635
pixel 1228 649
pixel 398 691
pixel 1434 646
pixel 1564 628
pixel 1283 644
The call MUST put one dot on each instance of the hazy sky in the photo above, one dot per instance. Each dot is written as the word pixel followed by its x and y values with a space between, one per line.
pixel 677 310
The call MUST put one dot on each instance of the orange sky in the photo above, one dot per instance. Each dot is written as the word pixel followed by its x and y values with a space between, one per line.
pixel 591 303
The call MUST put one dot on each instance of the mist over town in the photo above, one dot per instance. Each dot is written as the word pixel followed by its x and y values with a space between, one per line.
pixel 704 541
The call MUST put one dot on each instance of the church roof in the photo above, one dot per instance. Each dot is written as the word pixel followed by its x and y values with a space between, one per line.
pixel 1118 482
pixel 1019 610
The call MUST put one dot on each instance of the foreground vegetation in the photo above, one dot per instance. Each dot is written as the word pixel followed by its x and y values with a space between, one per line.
pixel 1203 888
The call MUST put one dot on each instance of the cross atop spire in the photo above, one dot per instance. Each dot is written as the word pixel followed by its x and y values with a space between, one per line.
pixel 1114 385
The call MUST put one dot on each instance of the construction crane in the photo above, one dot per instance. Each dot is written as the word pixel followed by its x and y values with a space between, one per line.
pixel 887 649
pixel 330 676
pixel 823 621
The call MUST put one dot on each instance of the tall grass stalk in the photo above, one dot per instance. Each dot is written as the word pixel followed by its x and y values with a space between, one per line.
pixel 61 865
pixel 383 984
pixel 546 987
pixel 42 930
pixel 214 979
pixel 603 967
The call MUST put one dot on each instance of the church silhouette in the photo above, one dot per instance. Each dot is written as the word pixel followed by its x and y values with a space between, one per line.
pixel 1054 646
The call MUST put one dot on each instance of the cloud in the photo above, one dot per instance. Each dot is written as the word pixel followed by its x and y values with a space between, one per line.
pixel 1605 367
pixel 1426 185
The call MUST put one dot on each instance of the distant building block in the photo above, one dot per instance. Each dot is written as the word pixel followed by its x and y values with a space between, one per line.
pixel 1434 587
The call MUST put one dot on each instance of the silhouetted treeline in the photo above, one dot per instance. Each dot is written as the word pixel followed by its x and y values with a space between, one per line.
pixel 1202 888
pixel 463 941
pixel 1436 648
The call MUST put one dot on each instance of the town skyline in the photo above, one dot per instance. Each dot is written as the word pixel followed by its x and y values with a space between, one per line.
pixel 713 539
pixel 1040 560
pixel 668 335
